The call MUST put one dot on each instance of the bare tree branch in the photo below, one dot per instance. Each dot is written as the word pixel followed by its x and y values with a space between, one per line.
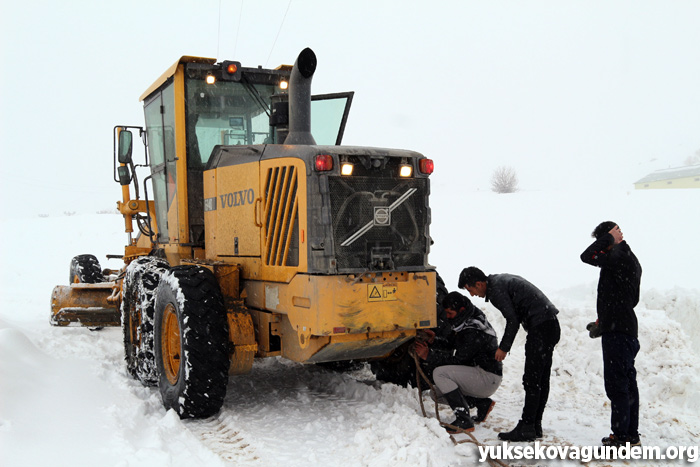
pixel 504 180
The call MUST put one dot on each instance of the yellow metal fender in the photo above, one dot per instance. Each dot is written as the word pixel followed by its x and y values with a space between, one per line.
pixel 241 334
pixel 342 317
pixel 344 304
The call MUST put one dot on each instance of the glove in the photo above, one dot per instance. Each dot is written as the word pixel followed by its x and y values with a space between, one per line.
pixel 593 330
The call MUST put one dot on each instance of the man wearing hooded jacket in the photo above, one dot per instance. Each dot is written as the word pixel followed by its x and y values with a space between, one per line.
pixel 618 294
pixel 465 371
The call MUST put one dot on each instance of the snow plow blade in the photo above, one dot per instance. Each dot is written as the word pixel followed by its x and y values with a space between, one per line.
pixel 89 305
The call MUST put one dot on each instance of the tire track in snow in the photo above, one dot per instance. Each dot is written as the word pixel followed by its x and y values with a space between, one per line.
pixel 221 436
pixel 280 406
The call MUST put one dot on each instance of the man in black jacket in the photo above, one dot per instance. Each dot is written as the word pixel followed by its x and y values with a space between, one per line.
pixel 465 372
pixel 618 294
pixel 521 303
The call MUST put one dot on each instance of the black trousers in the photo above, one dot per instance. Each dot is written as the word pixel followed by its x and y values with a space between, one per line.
pixel 619 352
pixel 539 347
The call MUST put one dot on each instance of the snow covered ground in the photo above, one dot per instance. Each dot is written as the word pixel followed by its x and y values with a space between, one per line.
pixel 66 399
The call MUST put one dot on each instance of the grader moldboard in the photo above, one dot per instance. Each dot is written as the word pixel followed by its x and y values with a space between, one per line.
pixel 254 240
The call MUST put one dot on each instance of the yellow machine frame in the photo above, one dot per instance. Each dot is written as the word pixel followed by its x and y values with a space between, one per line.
pixel 314 317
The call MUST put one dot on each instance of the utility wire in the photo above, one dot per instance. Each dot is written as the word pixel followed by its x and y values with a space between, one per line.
pixel 278 33
pixel 238 29
pixel 218 36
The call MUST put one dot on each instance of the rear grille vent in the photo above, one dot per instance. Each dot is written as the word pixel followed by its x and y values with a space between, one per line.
pixel 280 217
pixel 379 223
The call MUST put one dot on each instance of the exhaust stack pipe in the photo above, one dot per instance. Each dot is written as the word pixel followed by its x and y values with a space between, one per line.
pixel 300 99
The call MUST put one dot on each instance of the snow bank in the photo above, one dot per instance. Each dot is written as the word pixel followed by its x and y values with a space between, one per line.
pixel 66 398
pixel 680 304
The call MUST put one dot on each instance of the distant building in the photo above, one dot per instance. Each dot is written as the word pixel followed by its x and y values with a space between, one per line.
pixel 680 177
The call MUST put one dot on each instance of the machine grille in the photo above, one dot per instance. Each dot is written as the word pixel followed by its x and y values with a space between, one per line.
pixel 280 217
pixel 379 223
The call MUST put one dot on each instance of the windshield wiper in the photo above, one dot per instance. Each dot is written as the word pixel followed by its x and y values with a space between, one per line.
pixel 253 91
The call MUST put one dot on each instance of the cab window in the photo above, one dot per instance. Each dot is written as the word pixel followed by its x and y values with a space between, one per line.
pixel 227 113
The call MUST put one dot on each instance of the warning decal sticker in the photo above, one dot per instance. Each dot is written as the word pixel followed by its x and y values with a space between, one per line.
pixel 381 292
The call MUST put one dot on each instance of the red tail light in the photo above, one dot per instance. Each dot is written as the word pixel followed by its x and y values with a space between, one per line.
pixel 426 166
pixel 324 162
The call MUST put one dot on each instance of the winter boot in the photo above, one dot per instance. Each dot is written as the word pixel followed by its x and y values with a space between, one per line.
pixel 483 407
pixel 521 432
pixel 613 440
pixel 538 429
pixel 621 441
pixel 464 421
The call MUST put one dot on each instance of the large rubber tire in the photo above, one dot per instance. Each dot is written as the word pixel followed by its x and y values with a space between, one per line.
pixel 398 368
pixel 141 280
pixel 85 269
pixel 191 342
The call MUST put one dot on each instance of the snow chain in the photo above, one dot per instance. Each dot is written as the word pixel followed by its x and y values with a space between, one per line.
pixel 419 375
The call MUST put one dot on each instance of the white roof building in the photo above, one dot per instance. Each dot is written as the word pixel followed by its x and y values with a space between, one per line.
pixel 679 177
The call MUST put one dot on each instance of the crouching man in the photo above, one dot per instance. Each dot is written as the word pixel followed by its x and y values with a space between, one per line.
pixel 466 373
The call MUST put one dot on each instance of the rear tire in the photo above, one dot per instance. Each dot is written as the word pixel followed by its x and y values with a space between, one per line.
pixel 139 289
pixel 398 368
pixel 191 342
pixel 85 269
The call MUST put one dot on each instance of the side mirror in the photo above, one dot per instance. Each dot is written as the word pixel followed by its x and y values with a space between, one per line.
pixel 125 146
pixel 124 175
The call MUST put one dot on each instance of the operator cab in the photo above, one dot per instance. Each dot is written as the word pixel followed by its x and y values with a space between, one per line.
pixel 218 104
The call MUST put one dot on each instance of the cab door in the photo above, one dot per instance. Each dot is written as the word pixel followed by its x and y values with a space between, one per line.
pixel 329 114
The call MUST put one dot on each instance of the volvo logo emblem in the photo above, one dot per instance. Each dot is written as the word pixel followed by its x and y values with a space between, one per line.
pixel 382 215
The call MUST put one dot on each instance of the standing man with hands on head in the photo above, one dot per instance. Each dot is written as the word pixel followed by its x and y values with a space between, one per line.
pixel 520 302
pixel 618 294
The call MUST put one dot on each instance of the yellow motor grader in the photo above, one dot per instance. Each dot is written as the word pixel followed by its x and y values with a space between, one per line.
pixel 257 234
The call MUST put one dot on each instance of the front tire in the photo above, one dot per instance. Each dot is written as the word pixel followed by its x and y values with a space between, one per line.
pixel 141 280
pixel 85 269
pixel 191 342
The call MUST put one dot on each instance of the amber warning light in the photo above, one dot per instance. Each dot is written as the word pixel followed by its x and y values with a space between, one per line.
pixel 231 71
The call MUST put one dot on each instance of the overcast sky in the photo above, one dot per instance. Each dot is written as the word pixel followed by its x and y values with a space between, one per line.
pixel 572 94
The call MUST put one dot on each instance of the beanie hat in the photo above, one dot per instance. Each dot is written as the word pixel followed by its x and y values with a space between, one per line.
pixel 602 229
pixel 455 301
